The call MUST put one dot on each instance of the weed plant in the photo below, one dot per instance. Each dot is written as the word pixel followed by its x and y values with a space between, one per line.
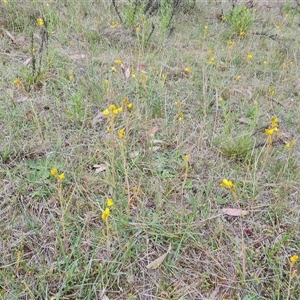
pixel 149 150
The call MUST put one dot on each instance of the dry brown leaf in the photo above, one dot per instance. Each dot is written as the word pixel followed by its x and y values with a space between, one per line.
pixel 127 73
pixel 157 262
pixel 78 56
pixel 27 61
pixel 134 154
pixel 11 37
pixel 153 131
pixel 21 99
pixel 98 118
pixel 155 142
pixel 100 168
pixel 235 212
pixel 154 149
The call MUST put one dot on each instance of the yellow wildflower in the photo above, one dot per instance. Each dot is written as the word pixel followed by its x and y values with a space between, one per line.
pixel 274 122
pixel 114 25
pixel 40 22
pixel 121 133
pixel 186 157
pixel 54 172
pixel 242 33
pixel 180 116
pixel 61 176
pixel 109 202
pixel 271 91
pixel 105 214
pixel 125 100
pixel 227 184
pixel 205 28
pixel 230 43
pixel 249 56
pixel 4 1
pixel 106 112
pixel 294 259
pixel 237 77
pixel 290 144
pixel 112 107
pixel 187 71
pixel 17 82
pixel 211 60
pixel 271 131
pixel 106 83
pixel 210 52
pixel 120 109
pixel 118 62
pixel 129 106
pixel 266 62
pixel 113 69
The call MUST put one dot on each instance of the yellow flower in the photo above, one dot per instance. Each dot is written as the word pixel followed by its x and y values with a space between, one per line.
pixel 279 26
pixel 109 202
pixel 249 56
pixel 120 109
pixel 106 112
pixel 105 214
pixel 271 91
pixel 227 184
pixel 180 116
pixel 125 100
pixel 230 43
pixel 17 82
pixel 266 62
pixel 274 122
pixel 242 33
pixel 211 60
pixel 129 106
pixel 187 71
pixel 40 21
pixel 186 158
pixel 294 259
pixel 4 1
pixel 114 25
pixel 121 133
pixel 210 52
pixel 118 62
pixel 61 176
pixel 205 28
pixel 115 111
pixel 290 144
pixel 53 172
pixel 112 107
pixel 237 77
pixel 106 82
pixel 113 69
pixel 270 131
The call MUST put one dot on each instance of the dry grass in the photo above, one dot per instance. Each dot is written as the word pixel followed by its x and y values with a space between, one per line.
pixel 54 243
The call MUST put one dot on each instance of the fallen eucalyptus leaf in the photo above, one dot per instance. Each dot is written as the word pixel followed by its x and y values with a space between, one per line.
pixel 235 212
pixel 157 262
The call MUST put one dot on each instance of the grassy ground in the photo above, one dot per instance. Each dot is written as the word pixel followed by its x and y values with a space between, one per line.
pixel 202 96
